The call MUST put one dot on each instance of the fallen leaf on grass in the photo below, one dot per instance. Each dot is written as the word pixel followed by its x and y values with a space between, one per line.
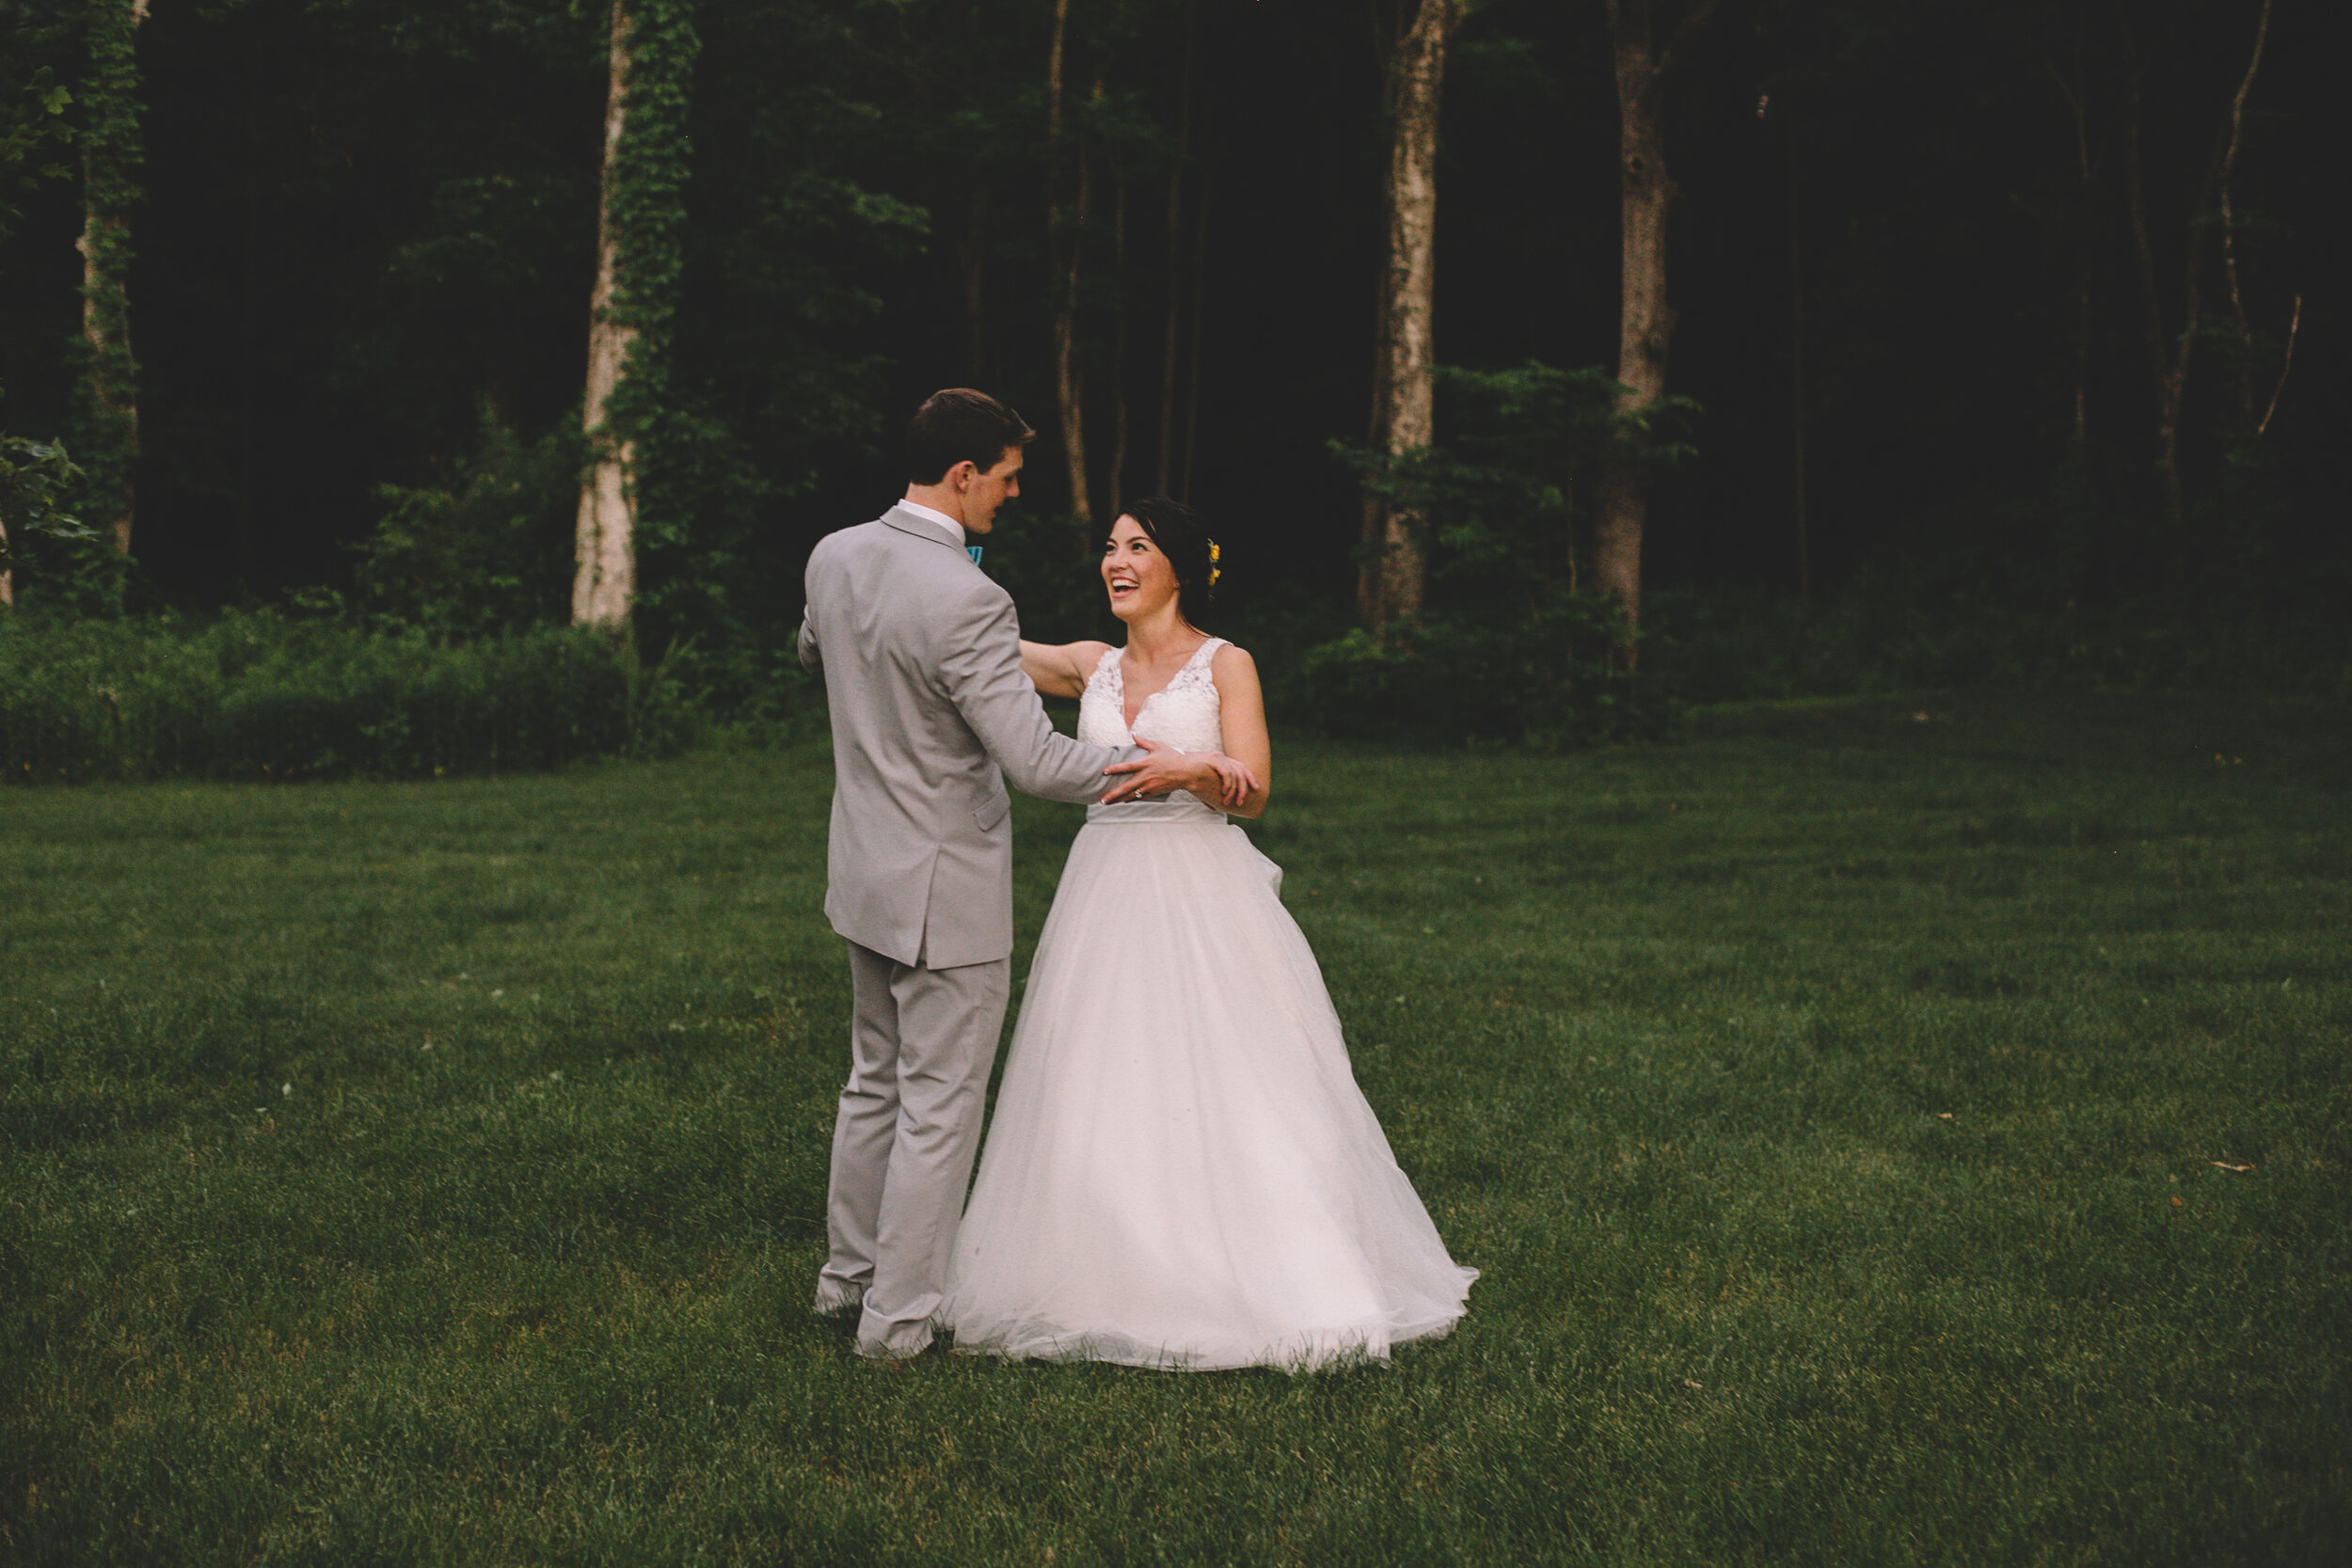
pixel 2176 1203
pixel 2224 1164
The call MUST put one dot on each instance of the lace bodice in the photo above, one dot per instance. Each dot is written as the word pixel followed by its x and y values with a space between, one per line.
pixel 1183 714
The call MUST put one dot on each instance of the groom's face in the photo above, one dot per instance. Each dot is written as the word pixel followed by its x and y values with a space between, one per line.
pixel 988 491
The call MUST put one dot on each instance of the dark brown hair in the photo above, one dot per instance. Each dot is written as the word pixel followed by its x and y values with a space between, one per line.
pixel 1172 526
pixel 957 424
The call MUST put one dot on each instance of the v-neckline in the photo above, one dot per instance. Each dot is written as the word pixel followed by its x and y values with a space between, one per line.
pixel 1120 667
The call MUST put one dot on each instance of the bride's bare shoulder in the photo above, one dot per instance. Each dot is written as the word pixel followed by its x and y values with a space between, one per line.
pixel 1234 669
pixel 1232 656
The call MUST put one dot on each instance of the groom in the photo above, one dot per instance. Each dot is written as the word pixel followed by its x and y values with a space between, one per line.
pixel 922 664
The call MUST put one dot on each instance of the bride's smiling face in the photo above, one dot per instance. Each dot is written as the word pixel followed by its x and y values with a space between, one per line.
pixel 1137 577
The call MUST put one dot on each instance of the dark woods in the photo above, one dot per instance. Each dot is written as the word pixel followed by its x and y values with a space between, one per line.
pixel 1901 341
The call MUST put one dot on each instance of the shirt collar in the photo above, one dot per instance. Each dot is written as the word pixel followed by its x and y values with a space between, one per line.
pixel 955 529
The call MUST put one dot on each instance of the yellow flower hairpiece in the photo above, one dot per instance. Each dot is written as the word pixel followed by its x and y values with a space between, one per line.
pixel 1213 555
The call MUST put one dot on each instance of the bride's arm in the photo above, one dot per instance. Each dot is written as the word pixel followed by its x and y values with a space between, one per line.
pixel 1241 713
pixel 1061 669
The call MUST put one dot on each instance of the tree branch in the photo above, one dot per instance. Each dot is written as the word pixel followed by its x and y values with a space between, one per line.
pixel 2284 365
pixel 2229 219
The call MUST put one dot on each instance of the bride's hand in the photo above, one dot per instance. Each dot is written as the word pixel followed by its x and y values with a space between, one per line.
pixel 1234 781
pixel 1165 770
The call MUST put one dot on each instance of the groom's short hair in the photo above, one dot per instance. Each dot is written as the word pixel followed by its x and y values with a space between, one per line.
pixel 957 424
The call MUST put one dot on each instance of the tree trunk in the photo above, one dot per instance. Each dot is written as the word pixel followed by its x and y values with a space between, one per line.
pixel 641 223
pixel 111 154
pixel 1390 582
pixel 1119 348
pixel 1645 322
pixel 1068 380
pixel 2168 371
pixel 1174 319
pixel 1796 370
pixel 604 551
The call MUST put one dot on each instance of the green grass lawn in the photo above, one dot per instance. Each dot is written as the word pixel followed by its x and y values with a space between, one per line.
pixel 1837 1102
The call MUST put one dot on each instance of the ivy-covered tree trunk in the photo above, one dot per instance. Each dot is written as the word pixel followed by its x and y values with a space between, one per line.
pixel 1389 580
pixel 1645 322
pixel 640 219
pixel 111 155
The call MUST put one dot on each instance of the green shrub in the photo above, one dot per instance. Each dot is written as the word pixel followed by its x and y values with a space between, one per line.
pixel 1542 676
pixel 488 552
pixel 262 696
pixel 47 553
pixel 1507 648
pixel 1886 632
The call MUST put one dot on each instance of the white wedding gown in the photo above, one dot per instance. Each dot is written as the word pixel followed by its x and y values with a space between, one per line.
pixel 1181 1172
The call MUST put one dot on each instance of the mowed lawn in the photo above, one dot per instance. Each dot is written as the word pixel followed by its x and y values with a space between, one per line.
pixel 1886 1139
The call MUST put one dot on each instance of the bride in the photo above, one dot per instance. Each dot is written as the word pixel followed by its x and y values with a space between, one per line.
pixel 1181 1172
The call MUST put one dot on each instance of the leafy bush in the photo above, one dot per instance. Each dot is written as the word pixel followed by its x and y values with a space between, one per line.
pixel 1542 676
pixel 488 552
pixel 1509 646
pixel 1887 632
pixel 262 696
pixel 45 550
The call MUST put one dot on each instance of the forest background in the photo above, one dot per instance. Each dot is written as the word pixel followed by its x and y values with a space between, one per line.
pixel 1997 345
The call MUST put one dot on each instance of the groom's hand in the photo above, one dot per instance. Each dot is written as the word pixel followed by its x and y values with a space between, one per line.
pixel 1162 769
pixel 1165 770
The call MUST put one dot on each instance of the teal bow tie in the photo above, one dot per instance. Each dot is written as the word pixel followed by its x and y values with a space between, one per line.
pixel 974 551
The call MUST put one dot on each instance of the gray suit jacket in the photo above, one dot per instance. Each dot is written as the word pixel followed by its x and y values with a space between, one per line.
pixel 922 664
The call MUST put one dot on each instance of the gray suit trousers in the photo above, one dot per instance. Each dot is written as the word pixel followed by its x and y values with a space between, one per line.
pixel 921 1043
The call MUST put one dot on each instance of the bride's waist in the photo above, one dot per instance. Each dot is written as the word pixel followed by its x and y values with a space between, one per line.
pixel 1179 806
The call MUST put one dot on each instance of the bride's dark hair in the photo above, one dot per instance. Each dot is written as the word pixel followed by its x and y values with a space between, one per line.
pixel 1171 525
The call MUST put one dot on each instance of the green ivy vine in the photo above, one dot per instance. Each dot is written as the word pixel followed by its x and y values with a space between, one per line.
pixel 645 196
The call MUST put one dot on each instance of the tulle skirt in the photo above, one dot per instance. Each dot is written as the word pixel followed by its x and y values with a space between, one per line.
pixel 1181 1172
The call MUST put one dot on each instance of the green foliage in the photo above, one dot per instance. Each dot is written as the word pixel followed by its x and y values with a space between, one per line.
pixel 1497 497
pixel 1543 675
pixel 263 697
pixel 645 190
pixel 61 565
pixel 37 483
pixel 488 552
pixel 32 118
pixel 700 493
pixel 1914 629
pixel 1507 646
pixel 774 379
pixel 405 1173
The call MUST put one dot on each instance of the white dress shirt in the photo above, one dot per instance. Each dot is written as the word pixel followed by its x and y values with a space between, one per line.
pixel 955 529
